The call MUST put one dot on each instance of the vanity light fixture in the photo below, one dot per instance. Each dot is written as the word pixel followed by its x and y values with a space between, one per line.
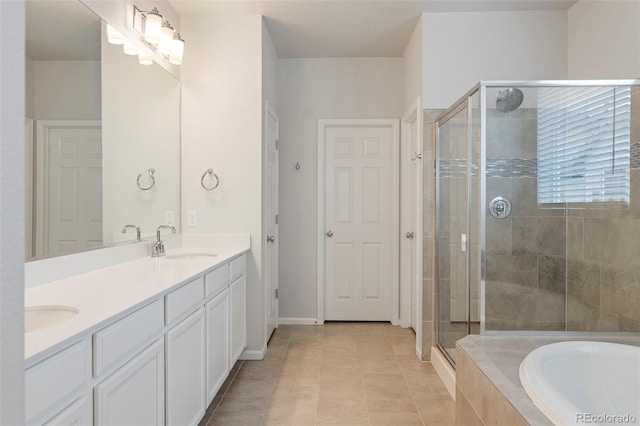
pixel 177 50
pixel 158 34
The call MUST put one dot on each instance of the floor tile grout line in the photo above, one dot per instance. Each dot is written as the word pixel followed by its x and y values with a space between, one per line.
pixel 233 378
pixel 277 376
pixel 404 378
pixel 364 387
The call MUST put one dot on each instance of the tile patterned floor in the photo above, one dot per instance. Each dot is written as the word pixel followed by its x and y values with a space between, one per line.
pixel 335 374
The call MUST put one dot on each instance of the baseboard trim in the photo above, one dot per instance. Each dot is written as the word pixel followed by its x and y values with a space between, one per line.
pixel 298 321
pixel 446 373
pixel 253 355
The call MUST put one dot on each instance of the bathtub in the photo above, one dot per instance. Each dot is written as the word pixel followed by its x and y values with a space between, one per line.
pixel 584 382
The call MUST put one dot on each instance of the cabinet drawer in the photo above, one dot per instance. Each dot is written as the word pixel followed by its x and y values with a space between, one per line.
pixel 119 342
pixel 184 300
pixel 238 266
pixel 216 281
pixel 57 381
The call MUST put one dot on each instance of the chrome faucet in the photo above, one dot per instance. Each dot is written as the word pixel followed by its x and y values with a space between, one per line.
pixel 157 249
pixel 137 228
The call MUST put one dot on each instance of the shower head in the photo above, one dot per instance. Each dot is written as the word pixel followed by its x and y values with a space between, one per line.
pixel 509 99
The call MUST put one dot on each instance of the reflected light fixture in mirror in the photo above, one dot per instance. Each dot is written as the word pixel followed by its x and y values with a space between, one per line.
pixel 158 34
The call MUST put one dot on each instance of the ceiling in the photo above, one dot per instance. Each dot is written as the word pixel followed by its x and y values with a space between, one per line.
pixel 61 30
pixel 349 28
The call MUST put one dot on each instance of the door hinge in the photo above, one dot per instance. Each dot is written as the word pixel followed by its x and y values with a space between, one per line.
pixel 276 219
pixel 277 145
pixel 276 293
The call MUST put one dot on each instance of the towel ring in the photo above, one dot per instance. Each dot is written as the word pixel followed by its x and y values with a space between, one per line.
pixel 153 180
pixel 204 175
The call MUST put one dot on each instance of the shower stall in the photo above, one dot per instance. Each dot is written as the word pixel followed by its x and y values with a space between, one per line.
pixel 537 221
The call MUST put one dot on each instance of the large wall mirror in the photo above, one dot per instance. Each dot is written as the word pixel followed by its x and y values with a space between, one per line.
pixel 102 136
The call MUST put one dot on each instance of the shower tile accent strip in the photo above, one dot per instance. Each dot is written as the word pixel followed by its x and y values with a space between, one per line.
pixel 496 167
pixel 512 167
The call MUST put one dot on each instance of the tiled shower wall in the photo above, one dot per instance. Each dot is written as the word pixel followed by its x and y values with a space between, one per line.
pixel 603 249
pixel 547 268
pixel 525 252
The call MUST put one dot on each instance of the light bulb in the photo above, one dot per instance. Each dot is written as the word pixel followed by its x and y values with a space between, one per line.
pixel 166 40
pixel 113 36
pixel 153 26
pixel 144 59
pixel 177 50
pixel 129 48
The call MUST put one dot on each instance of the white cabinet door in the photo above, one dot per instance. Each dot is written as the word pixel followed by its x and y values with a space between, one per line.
pixel 134 394
pixel 238 294
pixel 217 312
pixel 80 413
pixel 186 371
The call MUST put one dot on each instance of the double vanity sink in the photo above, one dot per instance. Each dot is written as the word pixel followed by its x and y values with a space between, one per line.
pixel 41 317
pixel 148 340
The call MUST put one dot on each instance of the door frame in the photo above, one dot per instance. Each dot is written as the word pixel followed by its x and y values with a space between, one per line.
pixel 412 115
pixel 41 174
pixel 269 110
pixel 394 124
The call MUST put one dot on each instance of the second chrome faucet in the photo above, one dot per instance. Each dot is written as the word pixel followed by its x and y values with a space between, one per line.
pixel 157 249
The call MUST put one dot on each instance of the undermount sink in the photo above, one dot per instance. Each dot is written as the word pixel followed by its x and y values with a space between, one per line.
pixel 41 317
pixel 190 256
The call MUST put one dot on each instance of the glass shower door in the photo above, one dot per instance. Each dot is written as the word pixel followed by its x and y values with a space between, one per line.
pixel 452 224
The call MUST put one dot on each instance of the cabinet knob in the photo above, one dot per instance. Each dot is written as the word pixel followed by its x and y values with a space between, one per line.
pixel 329 233
pixel 271 239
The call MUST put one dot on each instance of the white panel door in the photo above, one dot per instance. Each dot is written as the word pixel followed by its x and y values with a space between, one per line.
pixel 70 188
pixel 185 385
pixel 271 217
pixel 359 217
pixel 134 394
pixel 238 317
pixel 217 349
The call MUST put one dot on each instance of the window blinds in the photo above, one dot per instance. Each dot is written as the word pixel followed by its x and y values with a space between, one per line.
pixel 584 144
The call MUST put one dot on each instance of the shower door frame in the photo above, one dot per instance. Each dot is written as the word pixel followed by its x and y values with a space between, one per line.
pixel 464 102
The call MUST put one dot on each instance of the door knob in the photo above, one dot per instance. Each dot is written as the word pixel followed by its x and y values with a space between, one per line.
pixel 271 239
pixel 329 234
pixel 410 235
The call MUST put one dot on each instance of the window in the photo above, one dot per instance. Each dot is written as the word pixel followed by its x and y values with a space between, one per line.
pixel 584 144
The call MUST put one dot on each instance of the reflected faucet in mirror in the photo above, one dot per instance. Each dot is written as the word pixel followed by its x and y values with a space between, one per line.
pixel 137 228
pixel 157 249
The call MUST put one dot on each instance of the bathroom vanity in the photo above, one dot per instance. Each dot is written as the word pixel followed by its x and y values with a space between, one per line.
pixel 147 342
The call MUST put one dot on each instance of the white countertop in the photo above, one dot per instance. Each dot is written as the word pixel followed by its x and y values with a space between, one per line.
pixel 106 294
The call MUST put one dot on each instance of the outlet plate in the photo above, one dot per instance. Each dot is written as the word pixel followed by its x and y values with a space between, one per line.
pixel 192 218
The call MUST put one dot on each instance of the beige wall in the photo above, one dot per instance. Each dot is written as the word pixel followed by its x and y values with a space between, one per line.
pixel 412 67
pixel 463 48
pixel 309 89
pixel 222 129
pixel 604 39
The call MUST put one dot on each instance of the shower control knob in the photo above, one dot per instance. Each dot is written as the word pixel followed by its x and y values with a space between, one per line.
pixel 329 234
pixel 410 235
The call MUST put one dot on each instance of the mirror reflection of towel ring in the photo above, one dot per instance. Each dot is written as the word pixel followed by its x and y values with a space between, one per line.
pixel 153 180
pixel 215 176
